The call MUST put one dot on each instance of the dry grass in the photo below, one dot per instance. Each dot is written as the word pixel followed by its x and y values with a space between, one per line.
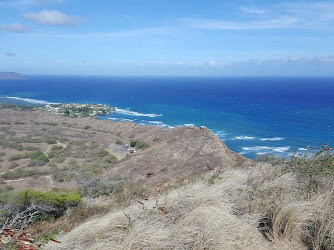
pixel 255 207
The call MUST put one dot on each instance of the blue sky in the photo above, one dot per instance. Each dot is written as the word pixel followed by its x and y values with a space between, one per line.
pixel 174 37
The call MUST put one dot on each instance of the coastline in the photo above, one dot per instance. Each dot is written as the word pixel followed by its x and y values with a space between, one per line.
pixel 266 144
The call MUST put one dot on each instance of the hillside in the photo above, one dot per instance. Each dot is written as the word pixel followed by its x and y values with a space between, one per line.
pixel 150 188
pixel 10 75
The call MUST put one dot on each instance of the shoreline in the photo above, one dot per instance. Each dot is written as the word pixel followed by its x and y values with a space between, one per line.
pixel 266 146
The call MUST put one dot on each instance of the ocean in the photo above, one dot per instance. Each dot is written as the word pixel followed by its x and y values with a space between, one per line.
pixel 254 116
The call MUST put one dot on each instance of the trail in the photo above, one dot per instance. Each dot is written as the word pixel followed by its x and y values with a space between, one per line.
pixel 12 169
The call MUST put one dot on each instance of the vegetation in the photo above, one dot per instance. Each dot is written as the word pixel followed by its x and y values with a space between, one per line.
pixel 39 156
pixel 139 144
pixel 118 142
pixel 95 187
pixel 111 159
pixel 102 153
pixel 18 210
pixel 265 204
pixel 51 141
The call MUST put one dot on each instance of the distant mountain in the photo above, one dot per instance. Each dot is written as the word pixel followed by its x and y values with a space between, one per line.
pixel 10 75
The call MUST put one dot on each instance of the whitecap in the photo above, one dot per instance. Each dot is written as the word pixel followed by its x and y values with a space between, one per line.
pixel 260 148
pixel 220 134
pixel 32 101
pixel 156 122
pixel 262 153
pixel 189 125
pixel 134 113
pixel 256 148
pixel 243 137
pixel 280 149
pixel 272 139
pixel 243 153
pixel 303 149
pixel 120 119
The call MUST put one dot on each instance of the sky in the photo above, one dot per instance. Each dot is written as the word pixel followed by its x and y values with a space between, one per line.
pixel 167 37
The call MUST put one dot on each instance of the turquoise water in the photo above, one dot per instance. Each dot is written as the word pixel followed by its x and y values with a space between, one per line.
pixel 253 116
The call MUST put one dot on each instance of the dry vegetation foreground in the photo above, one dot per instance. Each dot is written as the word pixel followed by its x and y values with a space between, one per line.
pixel 181 188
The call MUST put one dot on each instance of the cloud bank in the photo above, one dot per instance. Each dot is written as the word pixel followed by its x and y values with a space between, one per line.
pixel 15 27
pixel 53 18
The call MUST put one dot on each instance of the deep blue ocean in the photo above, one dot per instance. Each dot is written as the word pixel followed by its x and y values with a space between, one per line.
pixel 254 116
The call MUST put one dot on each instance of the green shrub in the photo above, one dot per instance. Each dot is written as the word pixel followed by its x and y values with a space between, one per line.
pixel 55 151
pixel 56 147
pixel 142 145
pixel 95 187
pixel 88 127
pixel 39 156
pixel 31 148
pixel 57 198
pixel 119 142
pixel 111 159
pixel 51 141
pixel 139 144
pixel 21 156
pixel 18 173
pixel 102 153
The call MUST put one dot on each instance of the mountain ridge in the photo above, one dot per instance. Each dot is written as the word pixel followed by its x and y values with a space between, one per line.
pixel 11 75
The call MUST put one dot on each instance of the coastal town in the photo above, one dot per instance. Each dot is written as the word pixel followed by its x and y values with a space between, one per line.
pixel 74 110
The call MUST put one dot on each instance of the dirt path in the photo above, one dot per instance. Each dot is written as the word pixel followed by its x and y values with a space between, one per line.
pixel 12 169
pixel 51 181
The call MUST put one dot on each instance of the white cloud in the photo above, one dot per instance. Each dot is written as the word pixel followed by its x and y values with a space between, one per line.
pixel 54 18
pixel 313 11
pixel 15 27
pixel 284 15
pixel 212 63
pixel 278 23
pixel 250 10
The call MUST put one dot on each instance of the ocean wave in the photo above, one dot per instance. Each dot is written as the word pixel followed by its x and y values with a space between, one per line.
pixel 303 149
pixel 280 149
pixel 262 153
pixel 221 134
pixel 263 148
pixel 243 153
pixel 243 137
pixel 120 119
pixel 157 123
pixel 28 100
pixel 256 148
pixel 134 113
pixel 189 125
pixel 272 139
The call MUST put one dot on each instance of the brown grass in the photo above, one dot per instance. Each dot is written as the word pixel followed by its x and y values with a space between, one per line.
pixel 253 207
